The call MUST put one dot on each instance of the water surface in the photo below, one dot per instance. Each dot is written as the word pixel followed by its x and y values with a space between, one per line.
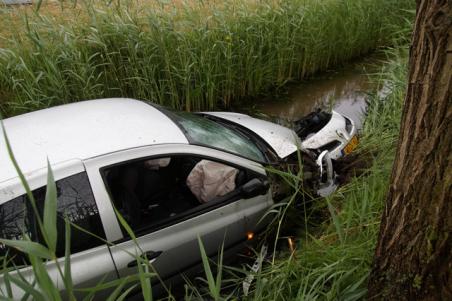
pixel 343 90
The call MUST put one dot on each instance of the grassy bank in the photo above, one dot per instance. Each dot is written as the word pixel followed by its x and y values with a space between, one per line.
pixel 333 262
pixel 195 56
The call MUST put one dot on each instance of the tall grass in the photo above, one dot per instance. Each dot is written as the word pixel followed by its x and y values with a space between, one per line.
pixel 193 56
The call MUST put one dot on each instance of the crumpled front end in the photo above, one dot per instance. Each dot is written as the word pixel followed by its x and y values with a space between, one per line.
pixel 333 137
pixel 320 135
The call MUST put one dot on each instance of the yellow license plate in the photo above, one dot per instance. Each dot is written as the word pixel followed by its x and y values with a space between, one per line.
pixel 351 145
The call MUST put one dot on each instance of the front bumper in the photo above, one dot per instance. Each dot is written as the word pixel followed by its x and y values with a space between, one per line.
pixel 327 183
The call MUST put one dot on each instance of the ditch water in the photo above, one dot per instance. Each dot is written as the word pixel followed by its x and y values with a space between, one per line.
pixel 343 90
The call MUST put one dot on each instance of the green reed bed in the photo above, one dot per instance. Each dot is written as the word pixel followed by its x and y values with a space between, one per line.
pixel 195 56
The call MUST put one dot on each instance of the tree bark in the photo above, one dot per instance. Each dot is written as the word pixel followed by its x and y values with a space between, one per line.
pixel 413 257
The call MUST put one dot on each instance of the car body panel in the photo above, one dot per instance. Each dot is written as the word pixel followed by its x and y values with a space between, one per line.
pixel 334 130
pixel 83 130
pixel 98 257
pixel 284 141
pixel 230 222
pixel 13 187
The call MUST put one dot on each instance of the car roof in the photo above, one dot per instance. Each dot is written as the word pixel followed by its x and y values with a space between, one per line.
pixel 81 131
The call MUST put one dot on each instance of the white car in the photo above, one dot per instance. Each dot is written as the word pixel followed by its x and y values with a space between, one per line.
pixel 172 175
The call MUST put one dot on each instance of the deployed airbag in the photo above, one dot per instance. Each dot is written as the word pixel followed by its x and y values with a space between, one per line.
pixel 208 180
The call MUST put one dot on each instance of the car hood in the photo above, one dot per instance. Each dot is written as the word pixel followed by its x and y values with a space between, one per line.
pixel 334 130
pixel 282 140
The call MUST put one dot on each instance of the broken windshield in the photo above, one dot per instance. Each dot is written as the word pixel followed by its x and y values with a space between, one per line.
pixel 203 131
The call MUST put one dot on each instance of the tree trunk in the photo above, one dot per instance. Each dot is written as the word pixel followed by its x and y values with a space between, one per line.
pixel 413 258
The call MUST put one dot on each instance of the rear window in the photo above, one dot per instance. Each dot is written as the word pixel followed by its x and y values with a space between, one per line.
pixel 75 200
pixel 203 131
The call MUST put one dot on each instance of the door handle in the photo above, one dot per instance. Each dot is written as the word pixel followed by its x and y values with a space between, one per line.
pixel 150 255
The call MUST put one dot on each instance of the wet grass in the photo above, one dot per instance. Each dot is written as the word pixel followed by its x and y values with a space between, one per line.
pixel 200 55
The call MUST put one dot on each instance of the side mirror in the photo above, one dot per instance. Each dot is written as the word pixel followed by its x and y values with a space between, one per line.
pixel 254 188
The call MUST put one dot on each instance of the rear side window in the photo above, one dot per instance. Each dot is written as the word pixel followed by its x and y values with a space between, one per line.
pixel 75 200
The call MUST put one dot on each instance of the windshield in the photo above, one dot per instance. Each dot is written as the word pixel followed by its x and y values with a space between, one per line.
pixel 204 131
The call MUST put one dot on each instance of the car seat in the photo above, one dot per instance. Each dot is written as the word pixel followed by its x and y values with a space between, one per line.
pixel 127 195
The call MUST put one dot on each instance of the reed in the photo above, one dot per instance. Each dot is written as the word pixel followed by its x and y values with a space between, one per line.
pixel 192 56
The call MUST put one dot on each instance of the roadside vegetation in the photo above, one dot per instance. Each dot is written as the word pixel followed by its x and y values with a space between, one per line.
pixel 198 55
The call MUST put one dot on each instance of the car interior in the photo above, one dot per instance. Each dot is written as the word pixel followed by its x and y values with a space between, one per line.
pixel 152 191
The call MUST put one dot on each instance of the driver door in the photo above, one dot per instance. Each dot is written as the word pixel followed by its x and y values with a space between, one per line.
pixel 169 223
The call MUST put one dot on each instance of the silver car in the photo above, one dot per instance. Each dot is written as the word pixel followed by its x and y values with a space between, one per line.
pixel 174 176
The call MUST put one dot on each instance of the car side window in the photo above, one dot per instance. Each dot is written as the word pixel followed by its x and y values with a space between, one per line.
pixel 75 200
pixel 153 192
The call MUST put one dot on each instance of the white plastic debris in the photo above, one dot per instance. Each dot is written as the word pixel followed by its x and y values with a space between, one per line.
pixel 254 269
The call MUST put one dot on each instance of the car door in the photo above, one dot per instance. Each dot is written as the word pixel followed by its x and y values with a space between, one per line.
pixel 172 243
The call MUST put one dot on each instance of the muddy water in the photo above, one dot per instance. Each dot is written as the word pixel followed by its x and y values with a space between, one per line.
pixel 343 90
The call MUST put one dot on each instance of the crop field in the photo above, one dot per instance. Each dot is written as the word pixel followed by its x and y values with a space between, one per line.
pixel 187 55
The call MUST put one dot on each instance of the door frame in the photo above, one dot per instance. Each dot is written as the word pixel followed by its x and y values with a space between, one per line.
pixel 104 203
